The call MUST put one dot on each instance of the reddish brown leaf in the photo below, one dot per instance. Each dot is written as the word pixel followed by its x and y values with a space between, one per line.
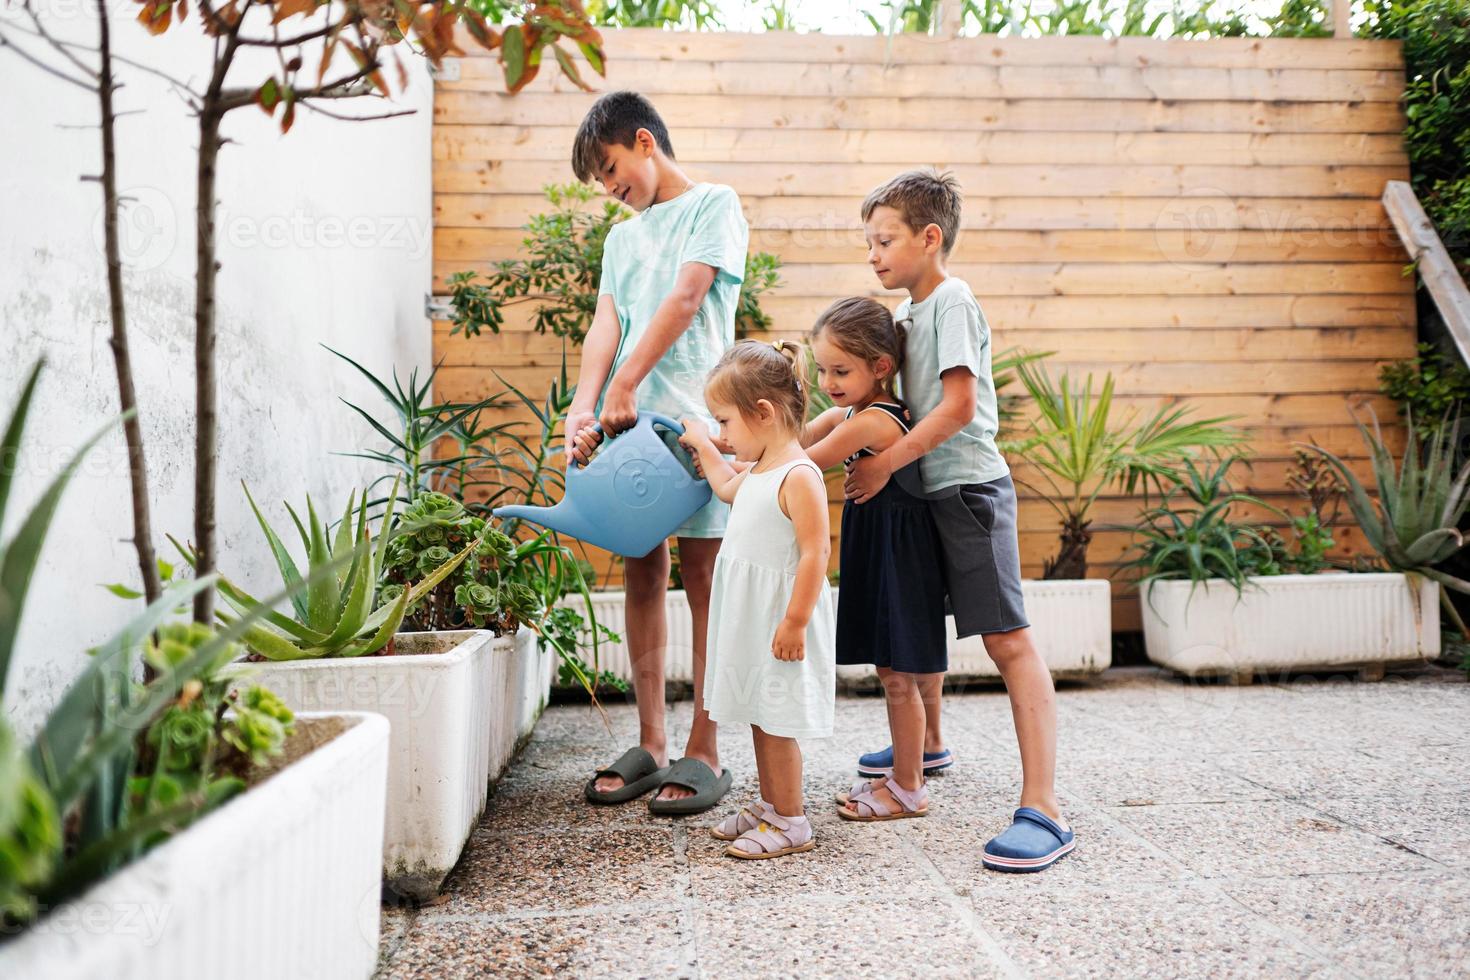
pixel 487 36
pixel 290 8
pixel 289 116
pixel 569 67
pixel 156 15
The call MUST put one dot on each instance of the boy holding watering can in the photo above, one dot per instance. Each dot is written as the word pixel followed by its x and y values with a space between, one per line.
pixel 665 314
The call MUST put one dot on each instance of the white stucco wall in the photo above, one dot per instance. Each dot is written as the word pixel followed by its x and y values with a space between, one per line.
pixel 324 238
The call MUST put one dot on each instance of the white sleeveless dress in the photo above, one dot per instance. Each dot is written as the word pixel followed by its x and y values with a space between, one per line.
pixel 754 576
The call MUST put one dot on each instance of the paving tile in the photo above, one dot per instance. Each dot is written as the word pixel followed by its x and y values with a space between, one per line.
pixel 1436 826
pixel 645 944
pixel 782 936
pixel 1402 924
pixel 1124 930
pixel 1098 778
pixel 560 872
pixel 1261 838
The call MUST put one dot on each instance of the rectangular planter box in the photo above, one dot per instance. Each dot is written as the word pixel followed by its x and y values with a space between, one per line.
pixel 457 703
pixel 282 881
pixel 1071 624
pixel 1291 622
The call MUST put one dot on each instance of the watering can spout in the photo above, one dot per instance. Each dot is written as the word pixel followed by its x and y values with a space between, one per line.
pixel 526 512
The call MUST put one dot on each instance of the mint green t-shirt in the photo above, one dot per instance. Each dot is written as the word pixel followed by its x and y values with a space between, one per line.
pixel 641 261
pixel 947 330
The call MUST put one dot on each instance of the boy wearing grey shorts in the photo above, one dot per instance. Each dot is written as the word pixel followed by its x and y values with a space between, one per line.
pixel 910 224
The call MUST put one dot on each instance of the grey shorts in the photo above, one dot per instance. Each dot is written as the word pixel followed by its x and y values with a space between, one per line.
pixel 982 556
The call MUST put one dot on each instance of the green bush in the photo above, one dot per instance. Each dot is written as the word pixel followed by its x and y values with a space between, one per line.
pixel 1436 44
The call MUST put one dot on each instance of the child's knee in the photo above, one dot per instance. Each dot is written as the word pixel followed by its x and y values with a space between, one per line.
pixel 1008 648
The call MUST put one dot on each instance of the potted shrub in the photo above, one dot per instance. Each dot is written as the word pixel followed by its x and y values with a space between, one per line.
pixel 450 687
pixel 143 816
pixel 1078 449
pixel 1228 598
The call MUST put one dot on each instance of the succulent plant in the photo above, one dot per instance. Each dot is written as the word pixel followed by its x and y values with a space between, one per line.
pixel 1421 501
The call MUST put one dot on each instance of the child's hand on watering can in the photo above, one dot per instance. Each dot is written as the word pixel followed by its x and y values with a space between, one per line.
pixel 695 433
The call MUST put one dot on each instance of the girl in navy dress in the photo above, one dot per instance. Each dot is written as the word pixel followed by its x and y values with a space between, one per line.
pixel 890 608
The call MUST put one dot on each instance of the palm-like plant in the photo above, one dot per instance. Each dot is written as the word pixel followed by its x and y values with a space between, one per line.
pixel 1415 525
pixel 1080 450
pixel 1191 535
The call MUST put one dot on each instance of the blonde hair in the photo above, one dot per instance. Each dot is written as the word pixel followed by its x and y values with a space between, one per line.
pixel 922 198
pixel 753 370
pixel 865 329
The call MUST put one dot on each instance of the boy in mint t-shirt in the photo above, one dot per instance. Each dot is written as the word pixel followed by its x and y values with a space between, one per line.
pixel 665 314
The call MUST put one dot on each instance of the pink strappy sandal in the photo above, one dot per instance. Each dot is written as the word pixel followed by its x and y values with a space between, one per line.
pixel 867 808
pixel 861 786
pixel 775 836
pixel 747 817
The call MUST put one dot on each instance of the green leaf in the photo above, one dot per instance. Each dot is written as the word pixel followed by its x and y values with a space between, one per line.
pixel 513 53
pixel 122 591
pixel 290 575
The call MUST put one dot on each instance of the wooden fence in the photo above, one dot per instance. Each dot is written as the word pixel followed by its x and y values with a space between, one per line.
pixel 1200 218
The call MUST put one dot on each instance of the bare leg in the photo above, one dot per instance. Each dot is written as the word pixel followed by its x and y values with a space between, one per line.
pixel 697 568
pixel 778 762
pixel 646 581
pixel 1034 709
pixel 931 689
pixel 906 722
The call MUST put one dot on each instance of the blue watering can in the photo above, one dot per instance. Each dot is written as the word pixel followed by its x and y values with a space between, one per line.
pixel 632 495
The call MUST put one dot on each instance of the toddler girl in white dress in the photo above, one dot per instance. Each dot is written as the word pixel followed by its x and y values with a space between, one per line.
pixel 772 628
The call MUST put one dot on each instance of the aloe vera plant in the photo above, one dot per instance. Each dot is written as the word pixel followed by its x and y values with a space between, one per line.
pixel 1421 501
pixel 340 615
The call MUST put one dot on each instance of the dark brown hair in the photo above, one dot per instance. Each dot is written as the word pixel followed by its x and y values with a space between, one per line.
pixel 615 119
pixel 865 329
pixel 922 198
pixel 752 370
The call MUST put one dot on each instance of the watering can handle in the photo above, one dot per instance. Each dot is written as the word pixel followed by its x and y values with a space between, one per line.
pixel 644 418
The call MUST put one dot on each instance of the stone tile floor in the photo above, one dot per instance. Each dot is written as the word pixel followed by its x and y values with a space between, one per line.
pixel 1317 826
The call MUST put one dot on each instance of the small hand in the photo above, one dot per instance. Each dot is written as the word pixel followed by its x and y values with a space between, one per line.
pixel 865 478
pixel 619 408
pixel 696 433
pixel 789 642
pixel 581 438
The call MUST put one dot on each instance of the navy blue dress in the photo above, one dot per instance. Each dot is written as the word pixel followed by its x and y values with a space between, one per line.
pixel 890 597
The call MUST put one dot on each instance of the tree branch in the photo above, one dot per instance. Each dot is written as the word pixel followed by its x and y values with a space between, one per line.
pixel 337 115
pixel 25 55
pixel 40 31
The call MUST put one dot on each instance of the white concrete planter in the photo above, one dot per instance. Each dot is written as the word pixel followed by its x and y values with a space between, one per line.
pixel 534 672
pixel 1291 622
pixel 456 702
pixel 1071 623
pixel 282 881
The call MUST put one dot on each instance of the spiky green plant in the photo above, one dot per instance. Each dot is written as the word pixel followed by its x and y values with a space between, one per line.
pixel 1080 450
pixel 1192 535
pixel 1421 500
pixel 341 614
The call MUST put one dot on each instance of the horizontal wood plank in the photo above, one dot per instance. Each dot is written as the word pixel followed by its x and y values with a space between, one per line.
pixel 910 81
pixel 875 112
pixel 1228 52
pixel 997 180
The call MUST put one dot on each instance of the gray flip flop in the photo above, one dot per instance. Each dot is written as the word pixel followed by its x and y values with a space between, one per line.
pixel 639 774
pixel 708 788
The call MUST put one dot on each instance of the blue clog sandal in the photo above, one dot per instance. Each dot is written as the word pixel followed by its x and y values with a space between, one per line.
pixel 1034 842
pixel 876 765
